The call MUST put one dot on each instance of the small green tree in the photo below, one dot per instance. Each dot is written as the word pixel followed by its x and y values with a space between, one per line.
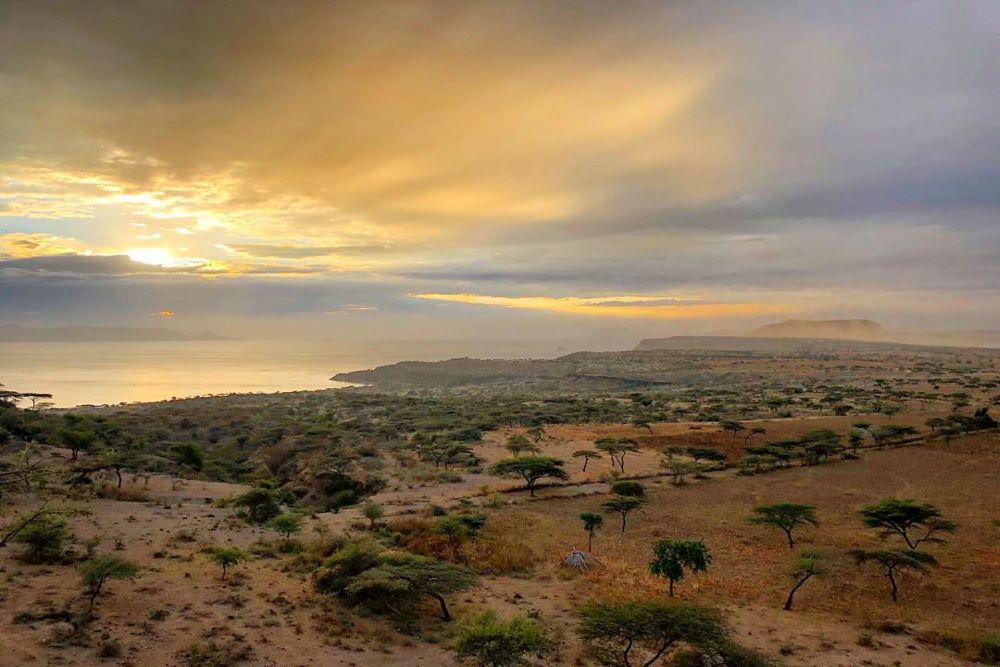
pixel 591 522
pixel 623 506
pixel 586 455
pixel 808 564
pixel 671 557
pixel 634 634
pixel 372 511
pixel 893 562
pixel 731 426
pixel 756 430
pixel 518 443
pixel 786 516
pixel 96 572
pixel 261 504
pixel 227 557
pixel 531 469
pixel 628 488
pixel 536 433
pixel 904 517
pixel 490 641
pixel 287 524
pixel 45 538
pixel 399 579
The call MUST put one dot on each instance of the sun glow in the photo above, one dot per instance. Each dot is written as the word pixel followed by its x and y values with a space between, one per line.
pixel 153 256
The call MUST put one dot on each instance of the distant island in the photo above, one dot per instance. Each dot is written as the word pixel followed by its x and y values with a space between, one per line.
pixel 17 333
pixel 858 330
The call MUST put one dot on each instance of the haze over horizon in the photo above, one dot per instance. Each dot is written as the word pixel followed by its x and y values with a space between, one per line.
pixel 440 169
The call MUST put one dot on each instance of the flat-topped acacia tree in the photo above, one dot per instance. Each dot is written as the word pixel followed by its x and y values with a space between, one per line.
pixel 531 469
pixel 892 562
pixel 915 522
pixel 786 516
pixel 586 455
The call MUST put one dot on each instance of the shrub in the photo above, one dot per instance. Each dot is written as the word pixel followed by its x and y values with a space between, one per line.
pixel 492 642
pixel 96 572
pixel 45 538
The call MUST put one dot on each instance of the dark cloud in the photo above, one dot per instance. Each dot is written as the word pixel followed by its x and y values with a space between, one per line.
pixel 84 265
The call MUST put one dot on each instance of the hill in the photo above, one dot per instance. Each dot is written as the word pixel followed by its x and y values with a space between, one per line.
pixel 839 329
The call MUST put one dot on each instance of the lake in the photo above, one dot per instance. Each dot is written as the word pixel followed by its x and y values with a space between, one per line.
pixel 110 373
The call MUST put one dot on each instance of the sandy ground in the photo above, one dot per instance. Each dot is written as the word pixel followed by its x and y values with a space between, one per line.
pixel 180 600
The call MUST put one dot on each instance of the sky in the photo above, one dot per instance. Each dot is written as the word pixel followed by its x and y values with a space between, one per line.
pixel 505 168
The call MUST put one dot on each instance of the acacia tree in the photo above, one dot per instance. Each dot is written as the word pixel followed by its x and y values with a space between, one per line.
pixel 591 522
pixel 756 430
pixel 518 443
pixel 492 642
pixel 287 524
pixel 400 579
pixel 786 516
pixel 622 505
pixel 903 517
pixel 536 433
pixel 372 511
pixel 643 422
pixel 531 469
pixel 731 426
pixel 628 487
pixel 671 557
pixel 586 455
pixel 227 557
pixel 893 562
pixel 96 572
pixel 638 634
pixel 616 449
pixel 808 564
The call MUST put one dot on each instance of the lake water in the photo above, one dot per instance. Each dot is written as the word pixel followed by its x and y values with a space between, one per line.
pixel 110 373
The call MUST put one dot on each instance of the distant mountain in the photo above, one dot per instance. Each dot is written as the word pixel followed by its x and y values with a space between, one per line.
pixel 793 334
pixel 839 329
pixel 17 333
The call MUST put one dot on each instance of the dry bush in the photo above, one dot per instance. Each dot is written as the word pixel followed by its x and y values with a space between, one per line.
pixel 493 555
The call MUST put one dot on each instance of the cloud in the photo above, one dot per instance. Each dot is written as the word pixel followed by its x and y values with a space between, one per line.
pixel 735 150
pixel 300 252
pixel 120 265
pixel 641 307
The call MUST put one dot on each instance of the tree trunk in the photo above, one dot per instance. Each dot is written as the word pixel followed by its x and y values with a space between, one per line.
pixel 659 653
pixel 671 587
pixel 444 607
pixel 895 588
pixel 791 542
pixel 791 594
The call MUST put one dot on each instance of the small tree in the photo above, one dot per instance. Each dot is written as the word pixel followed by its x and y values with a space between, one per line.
pixel 671 557
pixel 586 455
pixel 786 516
pixel 731 426
pixel 904 517
pixel 634 634
pixel 372 511
pixel 622 505
pixel 227 557
pixel 490 641
pixel 643 422
pixel 591 522
pixel 75 440
pixel 401 578
pixel 808 564
pixel 260 503
pixel 518 443
pixel 531 469
pixel 893 562
pixel 757 430
pixel 628 488
pixel 44 538
pixel 96 572
pixel 536 433
pixel 287 524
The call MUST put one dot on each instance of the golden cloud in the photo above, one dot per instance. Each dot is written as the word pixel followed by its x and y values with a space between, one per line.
pixel 640 307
